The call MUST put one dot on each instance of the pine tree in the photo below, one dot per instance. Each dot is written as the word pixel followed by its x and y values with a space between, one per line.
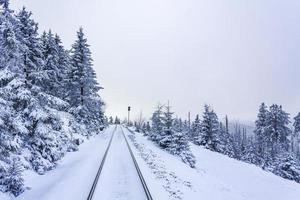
pixel 32 48
pixel 39 110
pixel 209 130
pixel 226 141
pixel 196 129
pixel 171 135
pixel 296 136
pixel 34 78
pixel 250 153
pixel 237 141
pixel 157 124
pixel 65 69
pixel 51 72
pixel 168 129
pixel 13 179
pixel 278 131
pixel 83 92
pixel 260 132
pixel 11 85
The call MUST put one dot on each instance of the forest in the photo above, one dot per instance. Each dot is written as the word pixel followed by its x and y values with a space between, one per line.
pixel 49 97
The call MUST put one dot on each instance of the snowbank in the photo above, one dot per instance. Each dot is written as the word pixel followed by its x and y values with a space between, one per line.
pixel 216 177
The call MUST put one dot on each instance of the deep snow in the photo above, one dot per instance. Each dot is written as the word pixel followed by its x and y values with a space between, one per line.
pixel 216 177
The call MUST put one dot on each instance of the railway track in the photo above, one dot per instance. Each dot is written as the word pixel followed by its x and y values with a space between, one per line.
pixel 139 173
pixel 145 187
pixel 92 191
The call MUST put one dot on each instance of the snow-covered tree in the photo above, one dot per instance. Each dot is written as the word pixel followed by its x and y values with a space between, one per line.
pixel 209 136
pixel 278 131
pixel 65 69
pixel 32 48
pixel 196 129
pixel 83 92
pixel 13 181
pixel 260 131
pixel 226 141
pixel 34 78
pixel 250 153
pixel 168 129
pixel 296 136
pixel 11 124
pixel 157 124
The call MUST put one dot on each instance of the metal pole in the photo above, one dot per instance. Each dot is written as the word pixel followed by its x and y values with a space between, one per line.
pixel 129 108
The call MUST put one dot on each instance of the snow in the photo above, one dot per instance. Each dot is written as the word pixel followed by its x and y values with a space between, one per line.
pixel 72 178
pixel 119 178
pixel 216 177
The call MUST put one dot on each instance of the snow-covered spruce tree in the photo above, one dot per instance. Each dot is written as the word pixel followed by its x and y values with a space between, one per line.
pixel 250 153
pixel 13 181
pixel 260 132
pixel 278 131
pixel 41 110
pixel 57 68
pixel 226 141
pixel 83 95
pixel 65 69
pixel 32 47
pixel 296 137
pixel 168 129
pixel 174 139
pixel 156 132
pixel 196 129
pixel 209 136
pixel 11 124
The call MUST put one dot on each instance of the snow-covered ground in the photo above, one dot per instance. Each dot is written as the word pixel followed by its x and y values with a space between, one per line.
pixel 72 178
pixel 216 177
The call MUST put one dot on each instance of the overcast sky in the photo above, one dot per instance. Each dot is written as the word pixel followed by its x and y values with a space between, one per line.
pixel 231 54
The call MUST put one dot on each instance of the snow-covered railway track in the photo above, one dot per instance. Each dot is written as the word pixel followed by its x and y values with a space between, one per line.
pixel 119 175
pixel 143 182
pixel 92 191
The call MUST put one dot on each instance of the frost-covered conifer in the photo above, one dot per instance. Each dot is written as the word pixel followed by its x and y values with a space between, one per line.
pixel 13 181
pixel 168 129
pixel 296 136
pixel 278 131
pixel 226 141
pixel 261 137
pixel 196 130
pixel 157 124
pixel 83 91
pixel 209 130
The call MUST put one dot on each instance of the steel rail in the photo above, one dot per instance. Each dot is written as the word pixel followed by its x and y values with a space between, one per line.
pixel 146 189
pixel 92 191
